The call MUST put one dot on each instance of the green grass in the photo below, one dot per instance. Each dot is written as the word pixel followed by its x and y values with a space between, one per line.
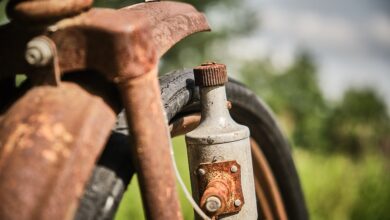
pixel 336 187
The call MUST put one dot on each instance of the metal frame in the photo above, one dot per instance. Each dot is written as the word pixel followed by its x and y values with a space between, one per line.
pixel 124 47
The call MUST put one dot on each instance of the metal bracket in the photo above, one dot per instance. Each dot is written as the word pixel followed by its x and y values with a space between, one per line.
pixel 226 174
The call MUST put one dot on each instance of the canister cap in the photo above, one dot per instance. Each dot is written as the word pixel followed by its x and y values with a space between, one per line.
pixel 210 74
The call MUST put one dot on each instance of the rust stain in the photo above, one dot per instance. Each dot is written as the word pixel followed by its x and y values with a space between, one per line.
pixel 10 144
pixel 221 182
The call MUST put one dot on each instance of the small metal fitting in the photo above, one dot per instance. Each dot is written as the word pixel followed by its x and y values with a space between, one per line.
pixel 213 203
pixel 229 105
pixel 201 172
pixel 210 74
pixel 39 51
pixel 234 169
pixel 237 203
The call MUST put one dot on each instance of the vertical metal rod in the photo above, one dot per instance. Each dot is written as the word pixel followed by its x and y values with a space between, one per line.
pixel 146 120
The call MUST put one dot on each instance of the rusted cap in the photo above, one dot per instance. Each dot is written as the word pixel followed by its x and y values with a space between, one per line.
pixel 210 74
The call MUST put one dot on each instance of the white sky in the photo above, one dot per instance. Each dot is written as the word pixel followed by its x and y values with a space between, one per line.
pixel 350 40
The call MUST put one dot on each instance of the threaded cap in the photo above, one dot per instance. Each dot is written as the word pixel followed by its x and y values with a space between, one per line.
pixel 210 74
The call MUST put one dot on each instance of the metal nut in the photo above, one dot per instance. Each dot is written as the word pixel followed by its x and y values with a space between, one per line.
pixel 39 52
pixel 213 204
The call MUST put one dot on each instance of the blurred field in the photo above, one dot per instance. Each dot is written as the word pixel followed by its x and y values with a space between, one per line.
pixel 337 187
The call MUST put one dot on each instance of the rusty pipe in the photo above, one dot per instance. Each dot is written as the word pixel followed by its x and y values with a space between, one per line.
pixel 218 188
pixel 147 124
pixel 184 125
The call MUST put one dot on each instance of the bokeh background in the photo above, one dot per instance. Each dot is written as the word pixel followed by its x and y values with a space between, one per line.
pixel 324 69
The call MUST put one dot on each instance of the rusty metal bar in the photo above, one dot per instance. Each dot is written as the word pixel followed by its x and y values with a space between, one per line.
pixel 184 125
pixel 142 102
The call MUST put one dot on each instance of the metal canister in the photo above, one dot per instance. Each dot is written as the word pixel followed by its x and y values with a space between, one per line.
pixel 219 139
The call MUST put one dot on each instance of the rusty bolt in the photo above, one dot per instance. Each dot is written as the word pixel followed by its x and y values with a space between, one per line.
pixel 237 203
pixel 216 196
pixel 213 203
pixel 233 169
pixel 39 52
pixel 201 172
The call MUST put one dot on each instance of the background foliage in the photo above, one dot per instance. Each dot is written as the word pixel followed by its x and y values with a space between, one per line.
pixel 341 148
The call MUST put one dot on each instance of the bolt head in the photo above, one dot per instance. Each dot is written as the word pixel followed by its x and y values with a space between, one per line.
pixel 33 56
pixel 39 52
pixel 234 169
pixel 237 203
pixel 201 171
pixel 213 203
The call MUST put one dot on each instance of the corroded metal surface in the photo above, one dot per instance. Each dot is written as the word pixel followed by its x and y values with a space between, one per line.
pixel 45 10
pixel 50 140
pixel 123 46
pixel 218 188
pixel 219 180
pixel 133 39
pixel 147 124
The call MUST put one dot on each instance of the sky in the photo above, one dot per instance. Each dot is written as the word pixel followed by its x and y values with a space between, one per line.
pixel 350 40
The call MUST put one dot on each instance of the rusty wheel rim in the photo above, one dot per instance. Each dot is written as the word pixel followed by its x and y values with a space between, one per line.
pixel 269 199
pixel 267 191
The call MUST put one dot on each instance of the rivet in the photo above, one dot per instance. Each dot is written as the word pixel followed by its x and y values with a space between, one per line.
pixel 234 169
pixel 237 203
